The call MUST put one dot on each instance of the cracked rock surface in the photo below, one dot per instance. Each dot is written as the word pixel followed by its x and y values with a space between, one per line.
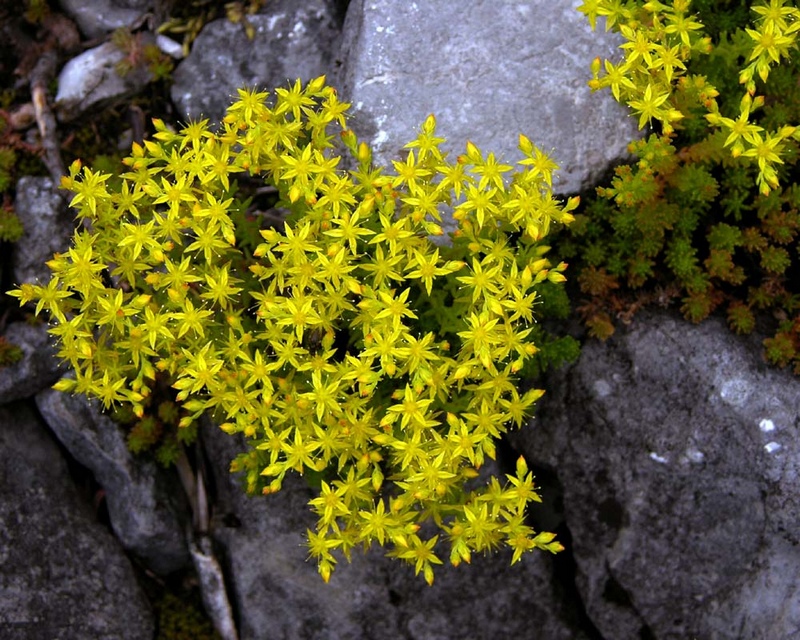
pixel 64 576
pixel 677 449
pixel 280 595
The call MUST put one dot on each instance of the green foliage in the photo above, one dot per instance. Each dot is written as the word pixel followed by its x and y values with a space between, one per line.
pixel 655 81
pixel 36 11
pixel 708 211
pixel 9 353
pixel 141 53
pixel 156 430
pixel 554 349
pixel 720 17
pixel 10 226
pixel 8 158
pixel 354 348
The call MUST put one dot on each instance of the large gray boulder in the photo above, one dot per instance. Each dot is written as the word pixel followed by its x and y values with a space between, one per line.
pixel 488 70
pixel 290 40
pixel 679 452
pixel 63 575
pixel 144 501
pixel 278 594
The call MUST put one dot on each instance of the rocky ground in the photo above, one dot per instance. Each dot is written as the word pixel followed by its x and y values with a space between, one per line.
pixel 668 456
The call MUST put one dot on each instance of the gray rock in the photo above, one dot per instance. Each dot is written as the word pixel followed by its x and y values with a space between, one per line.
pixel 144 508
pixel 37 370
pixel 48 228
pixel 280 595
pixel 488 70
pixel 63 575
pixel 91 79
pixel 95 18
pixel 292 40
pixel 679 452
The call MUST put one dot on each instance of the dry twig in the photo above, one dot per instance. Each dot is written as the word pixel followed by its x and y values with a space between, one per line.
pixel 42 73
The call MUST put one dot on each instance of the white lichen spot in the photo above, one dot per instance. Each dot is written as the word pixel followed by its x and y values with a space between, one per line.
pixel 381 78
pixel 658 458
pixel 273 20
pixel 380 138
pixel 771 447
pixel 379 29
pixel 695 455
pixel 766 425
pixel 602 388
pixel 299 28
pixel 735 392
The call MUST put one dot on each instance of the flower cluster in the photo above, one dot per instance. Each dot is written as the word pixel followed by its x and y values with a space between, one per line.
pixel 652 78
pixel 319 355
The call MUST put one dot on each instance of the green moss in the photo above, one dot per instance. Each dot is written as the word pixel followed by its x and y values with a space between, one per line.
pixel 181 620
pixel 11 228
pixel 9 353
pixel 708 228
pixel 156 431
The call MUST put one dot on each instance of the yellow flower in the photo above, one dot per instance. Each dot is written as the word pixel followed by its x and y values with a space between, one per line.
pixel 427 268
pixel 649 106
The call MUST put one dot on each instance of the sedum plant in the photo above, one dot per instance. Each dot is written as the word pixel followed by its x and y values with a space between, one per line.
pixel 652 79
pixel 325 352
pixel 708 212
